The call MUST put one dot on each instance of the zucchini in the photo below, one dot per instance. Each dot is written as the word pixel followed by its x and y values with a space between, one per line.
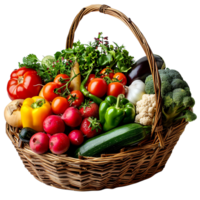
pixel 26 134
pixel 116 139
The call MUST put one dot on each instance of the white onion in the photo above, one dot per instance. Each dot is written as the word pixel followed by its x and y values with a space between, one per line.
pixel 12 113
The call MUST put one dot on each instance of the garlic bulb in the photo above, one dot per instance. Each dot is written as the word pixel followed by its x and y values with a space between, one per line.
pixel 135 91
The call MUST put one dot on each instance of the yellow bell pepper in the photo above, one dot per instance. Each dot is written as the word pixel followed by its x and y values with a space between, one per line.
pixel 34 111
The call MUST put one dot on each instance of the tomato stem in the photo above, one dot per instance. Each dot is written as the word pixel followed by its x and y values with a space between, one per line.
pixel 94 123
pixel 72 99
pixel 20 79
pixel 63 80
pixel 108 80
pixel 66 91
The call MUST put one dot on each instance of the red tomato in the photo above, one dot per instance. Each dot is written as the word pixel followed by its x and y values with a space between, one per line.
pixel 86 128
pixel 107 72
pixel 48 91
pixel 91 77
pixel 61 79
pixel 89 109
pixel 24 83
pixel 98 87
pixel 115 88
pixel 76 98
pixel 121 77
pixel 59 105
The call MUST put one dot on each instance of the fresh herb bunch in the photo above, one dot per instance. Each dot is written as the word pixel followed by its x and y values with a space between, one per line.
pixel 98 54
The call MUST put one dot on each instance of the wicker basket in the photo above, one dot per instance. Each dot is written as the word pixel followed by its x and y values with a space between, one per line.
pixel 128 166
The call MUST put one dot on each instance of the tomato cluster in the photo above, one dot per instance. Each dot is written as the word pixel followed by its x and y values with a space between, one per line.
pixel 95 85
pixel 53 92
pixel 99 86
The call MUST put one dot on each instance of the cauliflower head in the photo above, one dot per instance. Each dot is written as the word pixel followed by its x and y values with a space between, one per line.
pixel 145 109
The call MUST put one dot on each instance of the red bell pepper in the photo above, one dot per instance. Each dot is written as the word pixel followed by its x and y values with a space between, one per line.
pixel 24 83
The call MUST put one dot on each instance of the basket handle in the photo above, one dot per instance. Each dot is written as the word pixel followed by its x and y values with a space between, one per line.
pixel 135 30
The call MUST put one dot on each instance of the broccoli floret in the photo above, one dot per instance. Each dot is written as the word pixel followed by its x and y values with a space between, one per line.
pixel 175 93
pixel 178 83
pixel 168 99
pixel 188 102
pixel 188 116
pixel 165 85
pixel 149 87
pixel 178 95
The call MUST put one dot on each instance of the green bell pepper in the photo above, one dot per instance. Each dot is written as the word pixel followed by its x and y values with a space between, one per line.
pixel 114 111
pixel 108 102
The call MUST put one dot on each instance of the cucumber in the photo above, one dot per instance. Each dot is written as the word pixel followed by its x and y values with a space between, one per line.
pixel 26 134
pixel 116 138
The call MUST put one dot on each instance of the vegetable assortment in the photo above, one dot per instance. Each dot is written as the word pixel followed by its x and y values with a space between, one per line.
pixel 91 99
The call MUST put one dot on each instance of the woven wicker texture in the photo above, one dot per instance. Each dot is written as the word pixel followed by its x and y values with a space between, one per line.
pixel 128 166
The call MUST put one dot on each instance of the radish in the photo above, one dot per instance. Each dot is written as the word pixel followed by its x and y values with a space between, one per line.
pixel 72 117
pixel 39 143
pixel 76 137
pixel 59 143
pixel 53 124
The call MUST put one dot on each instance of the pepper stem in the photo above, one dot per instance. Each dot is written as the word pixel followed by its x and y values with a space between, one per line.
pixel 119 98
pixel 38 103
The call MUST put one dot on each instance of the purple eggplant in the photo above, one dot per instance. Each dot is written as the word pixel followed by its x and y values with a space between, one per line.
pixel 140 69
